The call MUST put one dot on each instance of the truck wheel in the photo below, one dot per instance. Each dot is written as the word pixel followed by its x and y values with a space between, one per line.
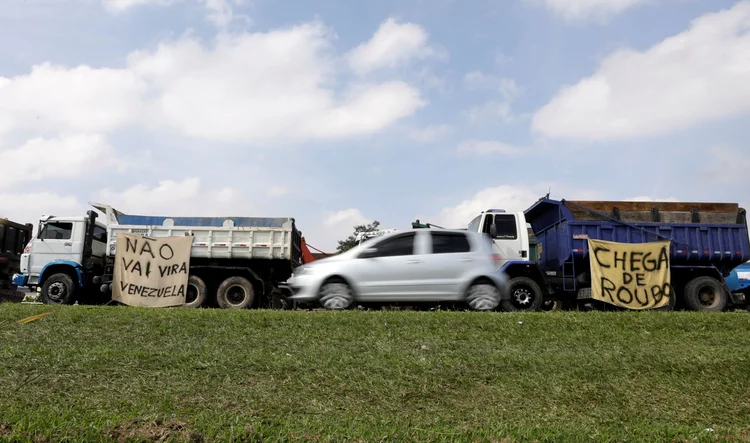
pixel 58 289
pixel 235 293
pixel 336 295
pixel 525 295
pixel 705 294
pixel 196 292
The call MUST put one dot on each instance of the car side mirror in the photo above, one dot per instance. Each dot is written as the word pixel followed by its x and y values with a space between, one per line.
pixel 493 231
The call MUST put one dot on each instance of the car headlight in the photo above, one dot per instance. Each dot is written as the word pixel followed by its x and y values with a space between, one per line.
pixel 304 270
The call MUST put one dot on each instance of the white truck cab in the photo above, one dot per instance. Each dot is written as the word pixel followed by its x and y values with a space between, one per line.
pixel 58 256
pixel 510 236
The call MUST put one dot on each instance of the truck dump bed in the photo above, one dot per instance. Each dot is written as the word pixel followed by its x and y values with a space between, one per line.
pixel 702 234
pixel 215 237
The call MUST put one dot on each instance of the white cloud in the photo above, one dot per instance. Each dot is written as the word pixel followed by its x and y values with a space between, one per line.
pixel 332 227
pixel 494 110
pixel 506 86
pixel 277 191
pixel 53 98
pixel 490 112
pixel 698 76
pixel 29 207
pixel 64 157
pixel 220 12
pixel 600 11
pixel 393 44
pixel 512 198
pixel 430 133
pixel 258 88
pixel 487 147
pixel 727 165
pixel 187 197
pixel 115 6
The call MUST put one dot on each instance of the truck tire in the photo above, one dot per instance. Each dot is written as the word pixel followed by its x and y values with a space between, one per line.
pixel 235 293
pixel 670 304
pixel 525 295
pixel 59 289
pixel 705 294
pixel 196 292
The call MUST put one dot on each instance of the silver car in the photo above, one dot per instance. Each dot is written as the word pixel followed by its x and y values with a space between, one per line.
pixel 422 265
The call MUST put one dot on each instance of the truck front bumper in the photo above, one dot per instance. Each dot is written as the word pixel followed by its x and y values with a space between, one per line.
pixel 20 279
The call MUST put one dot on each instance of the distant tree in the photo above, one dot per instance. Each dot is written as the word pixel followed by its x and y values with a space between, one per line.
pixel 351 241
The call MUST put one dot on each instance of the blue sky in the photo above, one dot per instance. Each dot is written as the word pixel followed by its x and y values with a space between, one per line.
pixel 341 112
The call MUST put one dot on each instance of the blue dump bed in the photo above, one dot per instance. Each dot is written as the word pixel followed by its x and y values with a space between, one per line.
pixel 244 222
pixel 702 234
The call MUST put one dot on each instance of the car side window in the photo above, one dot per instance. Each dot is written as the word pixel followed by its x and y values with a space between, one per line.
pixel 394 247
pixel 450 243
pixel 57 231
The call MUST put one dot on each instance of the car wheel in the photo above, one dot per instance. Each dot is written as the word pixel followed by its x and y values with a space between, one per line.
pixel 525 295
pixel 482 297
pixel 336 295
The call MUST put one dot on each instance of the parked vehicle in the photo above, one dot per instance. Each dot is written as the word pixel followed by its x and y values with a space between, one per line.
pixel 235 262
pixel 708 241
pixel 13 238
pixel 418 266
pixel 738 281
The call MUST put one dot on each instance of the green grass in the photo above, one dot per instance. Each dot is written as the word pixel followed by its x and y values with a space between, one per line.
pixel 118 373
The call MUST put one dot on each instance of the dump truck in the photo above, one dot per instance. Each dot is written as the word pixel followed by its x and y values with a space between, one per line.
pixel 708 240
pixel 13 238
pixel 235 262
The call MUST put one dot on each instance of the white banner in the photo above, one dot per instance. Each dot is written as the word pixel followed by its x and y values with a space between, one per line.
pixel 151 271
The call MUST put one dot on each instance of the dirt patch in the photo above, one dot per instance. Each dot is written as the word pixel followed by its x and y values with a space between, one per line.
pixel 153 431
pixel 5 431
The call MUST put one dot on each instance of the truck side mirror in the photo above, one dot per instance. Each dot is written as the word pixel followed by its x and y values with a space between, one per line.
pixel 493 231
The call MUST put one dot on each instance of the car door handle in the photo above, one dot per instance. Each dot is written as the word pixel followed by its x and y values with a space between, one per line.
pixel 467 259
pixel 68 243
pixel 412 262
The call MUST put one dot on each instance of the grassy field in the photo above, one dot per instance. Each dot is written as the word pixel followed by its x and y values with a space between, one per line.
pixel 121 373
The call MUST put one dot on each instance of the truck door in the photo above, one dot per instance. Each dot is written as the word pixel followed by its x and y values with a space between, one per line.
pixel 509 241
pixel 57 241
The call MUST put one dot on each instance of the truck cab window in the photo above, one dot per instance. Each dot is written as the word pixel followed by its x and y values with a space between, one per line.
pixel 449 243
pixel 506 226
pixel 57 231
pixel 100 234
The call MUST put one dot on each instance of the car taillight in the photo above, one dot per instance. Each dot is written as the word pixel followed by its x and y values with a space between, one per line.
pixel 27 249
pixel 497 258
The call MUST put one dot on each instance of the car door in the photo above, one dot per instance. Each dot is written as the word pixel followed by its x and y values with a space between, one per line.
pixel 448 261
pixel 54 242
pixel 385 271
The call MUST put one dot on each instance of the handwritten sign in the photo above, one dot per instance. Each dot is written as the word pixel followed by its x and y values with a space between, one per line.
pixel 151 271
pixel 630 275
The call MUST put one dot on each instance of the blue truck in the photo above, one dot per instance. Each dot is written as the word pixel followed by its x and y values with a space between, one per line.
pixel 708 241
pixel 739 281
